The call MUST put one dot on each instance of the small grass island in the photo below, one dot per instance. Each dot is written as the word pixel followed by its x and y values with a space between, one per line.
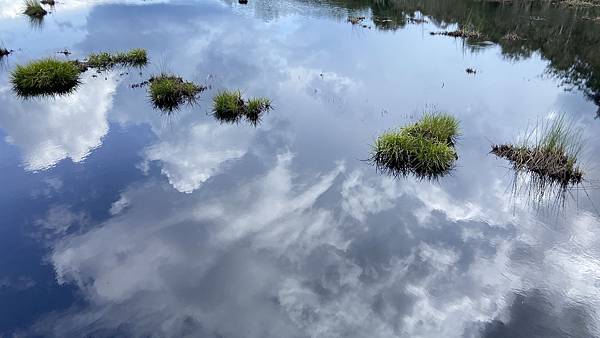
pixel 168 92
pixel 424 149
pixel 230 107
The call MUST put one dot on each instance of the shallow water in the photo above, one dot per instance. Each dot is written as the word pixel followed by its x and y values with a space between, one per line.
pixel 121 221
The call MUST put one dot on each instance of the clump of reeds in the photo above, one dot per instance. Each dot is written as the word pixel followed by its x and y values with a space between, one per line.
pixel 168 92
pixel 228 106
pixel 355 20
pixel 550 152
pixel 425 148
pixel 105 61
pixel 460 33
pixel 45 77
pixel 34 9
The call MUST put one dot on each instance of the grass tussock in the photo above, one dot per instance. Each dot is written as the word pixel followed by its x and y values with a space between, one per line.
pixel 228 106
pixel 550 152
pixel 169 92
pixel 461 33
pixel 34 9
pixel 104 61
pixel 424 149
pixel 45 77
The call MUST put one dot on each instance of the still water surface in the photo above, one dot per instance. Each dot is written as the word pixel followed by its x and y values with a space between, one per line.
pixel 119 221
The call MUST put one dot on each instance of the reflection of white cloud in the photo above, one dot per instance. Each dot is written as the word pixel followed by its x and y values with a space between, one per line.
pixel 51 129
pixel 329 86
pixel 271 213
pixel 266 253
pixel 360 199
pixel 13 8
pixel 191 158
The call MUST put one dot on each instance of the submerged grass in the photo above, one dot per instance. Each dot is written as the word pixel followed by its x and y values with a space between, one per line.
pixel 105 61
pixel 169 92
pixel 550 152
pixel 34 9
pixel 228 106
pixel 425 149
pixel 45 77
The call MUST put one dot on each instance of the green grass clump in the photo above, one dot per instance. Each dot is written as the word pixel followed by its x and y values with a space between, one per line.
pixel 33 8
pixel 425 149
pixel 441 127
pixel 550 151
pixel 255 107
pixel 45 77
pixel 228 106
pixel 104 61
pixel 169 92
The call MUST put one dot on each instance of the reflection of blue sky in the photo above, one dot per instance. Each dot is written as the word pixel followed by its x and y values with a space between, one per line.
pixel 281 230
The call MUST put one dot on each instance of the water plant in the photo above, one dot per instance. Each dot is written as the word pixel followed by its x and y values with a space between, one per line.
pixel 45 77
pixel 255 107
pixel 460 33
pixel 168 92
pixel 105 61
pixel 549 152
pixel 34 9
pixel 228 106
pixel 424 149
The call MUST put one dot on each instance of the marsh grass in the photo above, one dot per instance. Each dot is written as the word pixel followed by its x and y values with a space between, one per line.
pixel 255 108
pixel 230 107
pixel 461 33
pixel 424 149
pixel 168 92
pixel 549 153
pixel 34 9
pixel 136 58
pixel 45 77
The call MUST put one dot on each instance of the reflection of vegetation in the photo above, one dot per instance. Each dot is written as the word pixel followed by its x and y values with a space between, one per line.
pixel 564 35
pixel 169 92
pixel 549 153
pixel 45 77
pixel 228 106
pixel 104 61
pixel 34 9
pixel 460 33
pixel 425 149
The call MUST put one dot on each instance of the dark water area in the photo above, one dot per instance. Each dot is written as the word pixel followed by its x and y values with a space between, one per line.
pixel 121 221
